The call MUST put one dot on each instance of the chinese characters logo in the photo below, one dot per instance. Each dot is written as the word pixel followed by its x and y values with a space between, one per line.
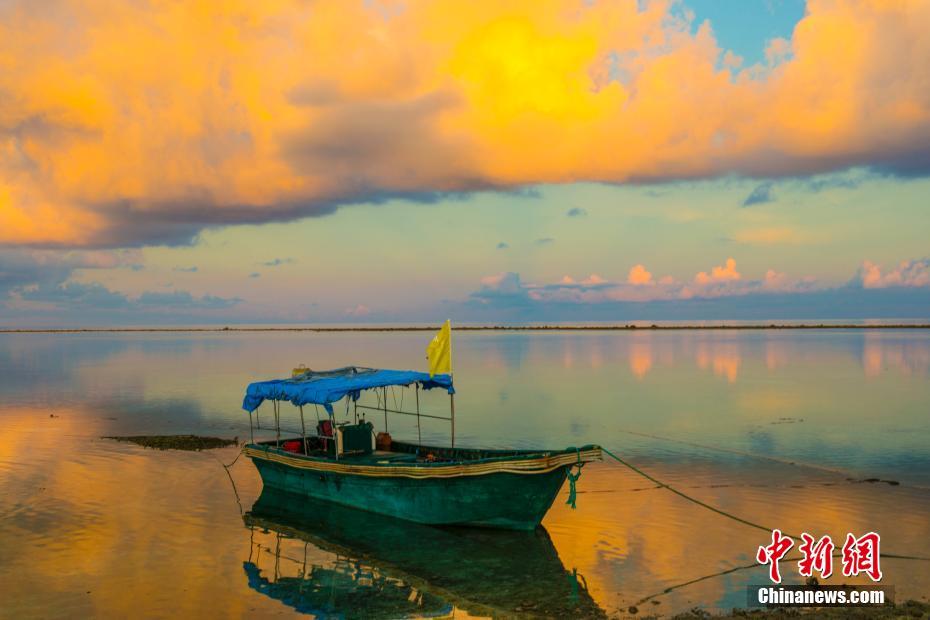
pixel 859 555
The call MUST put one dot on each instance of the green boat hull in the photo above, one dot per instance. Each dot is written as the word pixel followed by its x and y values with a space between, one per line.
pixel 500 499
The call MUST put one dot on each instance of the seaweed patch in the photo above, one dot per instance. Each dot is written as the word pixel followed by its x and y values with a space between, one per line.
pixel 177 442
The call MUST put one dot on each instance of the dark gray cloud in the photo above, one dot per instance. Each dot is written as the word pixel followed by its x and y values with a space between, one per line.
pixel 819 184
pixel 183 299
pixel 45 277
pixel 760 195
pixel 255 274
pixel 576 212
pixel 77 295
pixel 528 191
pixel 503 245
pixel 545 241
pixel 19 269
pixel 505 290
pixel 191 269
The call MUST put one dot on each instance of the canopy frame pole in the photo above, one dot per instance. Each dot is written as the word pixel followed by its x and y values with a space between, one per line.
pixel 355 410
pixel 413 413
pixel 258 421
pixel 332 437
pixel 251 432
pixel 451 395
pixel 419 437
pixel 303 430
pixel 384 393
pixel 277 424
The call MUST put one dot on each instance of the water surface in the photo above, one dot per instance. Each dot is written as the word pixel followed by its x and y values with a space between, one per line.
pixel 779 427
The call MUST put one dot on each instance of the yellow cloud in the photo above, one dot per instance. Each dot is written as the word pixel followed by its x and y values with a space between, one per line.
pixel 139 122
pixel 724 273
pixel 639 276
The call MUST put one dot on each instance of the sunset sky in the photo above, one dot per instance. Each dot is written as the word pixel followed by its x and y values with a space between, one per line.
pixel 369 161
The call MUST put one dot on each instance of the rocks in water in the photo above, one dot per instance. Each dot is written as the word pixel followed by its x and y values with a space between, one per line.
pixel 178 442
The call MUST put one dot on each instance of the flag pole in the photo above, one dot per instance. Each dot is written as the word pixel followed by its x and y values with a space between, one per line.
pixel 451 396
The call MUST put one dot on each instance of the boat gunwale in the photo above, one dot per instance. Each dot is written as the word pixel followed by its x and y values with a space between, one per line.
pixel 524 462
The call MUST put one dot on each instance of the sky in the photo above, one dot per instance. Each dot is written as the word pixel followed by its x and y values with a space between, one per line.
pixel 304 161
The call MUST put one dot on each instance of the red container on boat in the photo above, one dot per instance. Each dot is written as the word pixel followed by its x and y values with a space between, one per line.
pixel 292 446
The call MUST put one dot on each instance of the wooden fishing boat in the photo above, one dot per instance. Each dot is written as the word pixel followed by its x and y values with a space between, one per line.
pixel 347 463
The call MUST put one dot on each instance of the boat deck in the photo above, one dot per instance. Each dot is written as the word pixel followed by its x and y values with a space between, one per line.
pixel 401 453
pixel 382 457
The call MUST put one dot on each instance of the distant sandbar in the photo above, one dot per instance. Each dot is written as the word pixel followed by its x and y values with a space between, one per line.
pixel 473 328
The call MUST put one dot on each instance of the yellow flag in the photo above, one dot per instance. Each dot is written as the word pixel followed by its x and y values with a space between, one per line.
pixel 439 351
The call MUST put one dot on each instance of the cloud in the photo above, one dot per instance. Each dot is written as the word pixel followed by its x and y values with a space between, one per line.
pixel 545 241
pixel 191 269
pixel 760 195
pixel 278 262
pixel 724 293
pixel 576 212
pixel 37 281
pixel 48 269
pixel 112 134
pixel 720 273
pixel 769 236
pixel 593 280
pixel 909 274
pixel 502 290
pixel 255 274
pixel 92 295
pixel 638 276
pixel 77 295
pixel 506 282
pixel 358 311
pixel 850 180
pixel 509 290
pixel 503 245
pixel 183 299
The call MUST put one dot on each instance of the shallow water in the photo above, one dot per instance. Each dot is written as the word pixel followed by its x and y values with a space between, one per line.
pixel 778 427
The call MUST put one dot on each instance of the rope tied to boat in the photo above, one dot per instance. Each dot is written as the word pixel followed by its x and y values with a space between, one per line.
pixel 662 485
pixel 573 478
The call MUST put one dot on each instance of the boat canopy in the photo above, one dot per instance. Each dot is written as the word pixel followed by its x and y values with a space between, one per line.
pixel 328 386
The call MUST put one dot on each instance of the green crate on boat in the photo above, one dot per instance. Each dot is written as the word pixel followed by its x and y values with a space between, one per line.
pixel 355 438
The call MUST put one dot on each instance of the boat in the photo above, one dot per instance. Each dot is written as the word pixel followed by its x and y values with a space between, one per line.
pixel 346 462
pixel 331 561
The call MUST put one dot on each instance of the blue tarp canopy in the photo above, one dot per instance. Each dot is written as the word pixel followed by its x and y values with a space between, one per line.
pixel 329 386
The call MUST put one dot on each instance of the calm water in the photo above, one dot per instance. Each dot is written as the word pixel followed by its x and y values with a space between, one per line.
pixel 779 427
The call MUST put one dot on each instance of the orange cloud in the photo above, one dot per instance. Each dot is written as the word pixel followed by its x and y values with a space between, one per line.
pixel 725 273
pixel 909 273
pixel 143 122
pixel 639 276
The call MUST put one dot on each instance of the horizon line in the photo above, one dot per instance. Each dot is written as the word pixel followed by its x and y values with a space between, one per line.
pixel 420 328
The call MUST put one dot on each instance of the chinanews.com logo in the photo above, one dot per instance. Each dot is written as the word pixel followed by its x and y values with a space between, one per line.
pixel 860 555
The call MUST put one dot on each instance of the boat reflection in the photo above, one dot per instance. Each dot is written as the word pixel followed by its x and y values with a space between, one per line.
pixel 384 567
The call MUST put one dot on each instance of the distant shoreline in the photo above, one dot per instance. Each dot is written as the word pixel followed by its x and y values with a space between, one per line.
pixel 469 328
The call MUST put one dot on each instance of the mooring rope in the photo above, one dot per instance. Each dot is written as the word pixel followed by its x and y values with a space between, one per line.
pixel 726 514
pixel 573 478
pixel 229 475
